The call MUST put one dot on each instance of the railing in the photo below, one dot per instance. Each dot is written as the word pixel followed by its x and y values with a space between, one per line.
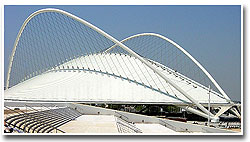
pixel 167 125
pixel 121 115
pixel 46 115
pixel 56 111
pixel 120 121
pixel 207 131
pixel 23 114
pixel 34 119
pixel 9 124
pixel 172 127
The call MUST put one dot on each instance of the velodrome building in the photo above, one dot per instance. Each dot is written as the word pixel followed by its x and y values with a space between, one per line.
pixel 61 62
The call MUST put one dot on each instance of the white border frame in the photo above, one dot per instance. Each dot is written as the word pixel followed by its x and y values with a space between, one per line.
pixel 132 2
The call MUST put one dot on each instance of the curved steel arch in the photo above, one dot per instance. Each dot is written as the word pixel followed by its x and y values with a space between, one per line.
pixel 117 43
pixel 185 52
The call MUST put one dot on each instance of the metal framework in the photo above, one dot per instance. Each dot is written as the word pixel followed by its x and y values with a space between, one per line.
pixel 182 50
pixel 204 112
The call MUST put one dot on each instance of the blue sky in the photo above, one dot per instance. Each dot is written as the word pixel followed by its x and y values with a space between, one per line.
pixel 211 34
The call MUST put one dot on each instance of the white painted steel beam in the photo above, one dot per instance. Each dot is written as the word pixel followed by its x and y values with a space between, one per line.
pixel 236 112
pixel 122 46
pixel 182 50
pixel 222 110
pixel 190 109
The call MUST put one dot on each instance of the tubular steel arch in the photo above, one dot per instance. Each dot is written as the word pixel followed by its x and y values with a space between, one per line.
pixel 118 43
pixel 182 50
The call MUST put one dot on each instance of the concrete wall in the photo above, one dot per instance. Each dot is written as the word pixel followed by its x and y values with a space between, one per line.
pixel 137 118
pixel 32 104
pixel 131 117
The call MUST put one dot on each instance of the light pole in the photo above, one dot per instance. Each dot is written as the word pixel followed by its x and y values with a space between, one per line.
pixel 209 106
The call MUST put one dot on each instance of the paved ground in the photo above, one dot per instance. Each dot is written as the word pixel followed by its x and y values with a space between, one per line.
pixel 154 128
pixel 91 124
pixel 106 124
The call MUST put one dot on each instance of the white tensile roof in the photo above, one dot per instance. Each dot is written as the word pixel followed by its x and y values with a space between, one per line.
pixel 83 85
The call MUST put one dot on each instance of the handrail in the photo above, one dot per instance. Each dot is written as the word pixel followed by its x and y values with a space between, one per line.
pixel 19 129
pixel 207 131
pixel 175 128
pixel 130 126
pixel 23 113
pixel 56 111
pixel 165 124
pixel 67 117
pixel 122 115
pixel 34 118
pixel 40 111
pixel 137 130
